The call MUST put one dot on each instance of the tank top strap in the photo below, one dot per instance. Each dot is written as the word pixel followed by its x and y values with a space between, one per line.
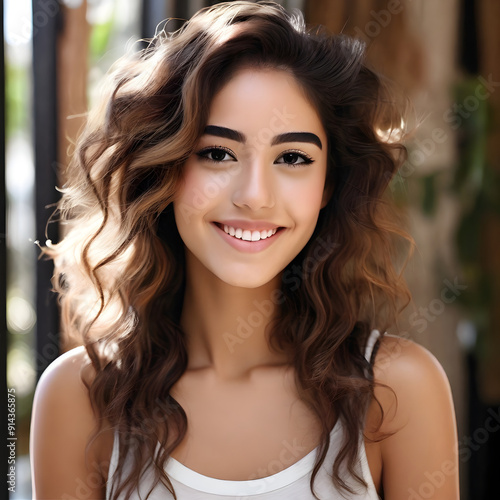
pixel 372 344
pixel 113 463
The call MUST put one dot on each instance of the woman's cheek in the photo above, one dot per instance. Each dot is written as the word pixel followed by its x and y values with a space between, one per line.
pixel 202 185
pixel 306 196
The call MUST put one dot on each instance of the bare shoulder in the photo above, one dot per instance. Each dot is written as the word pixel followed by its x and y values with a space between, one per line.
pixel 65 372
pixel 417 438
pixel 61 389
pixel 62 424
pixel 409 380
pixel 400 361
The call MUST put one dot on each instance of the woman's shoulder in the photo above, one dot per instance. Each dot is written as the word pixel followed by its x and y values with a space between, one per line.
pixel 65 380
pixel 410 384
pixel 401 362
pixel 62 404
pixel 417 435
pixel 62 423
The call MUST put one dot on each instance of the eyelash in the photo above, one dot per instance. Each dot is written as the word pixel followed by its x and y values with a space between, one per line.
pixel 202 154
pixel 307 160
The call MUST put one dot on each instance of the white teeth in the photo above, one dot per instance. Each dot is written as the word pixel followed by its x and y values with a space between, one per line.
pixel 247 235
pixel 255 235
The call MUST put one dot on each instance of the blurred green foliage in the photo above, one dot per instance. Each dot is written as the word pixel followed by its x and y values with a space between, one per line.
pixel 99 39
pixel 16 90
pixel 477 186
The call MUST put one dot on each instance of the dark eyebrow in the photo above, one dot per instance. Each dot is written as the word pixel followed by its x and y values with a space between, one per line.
pixel 297 137
pixel 227 133
pixel 234 135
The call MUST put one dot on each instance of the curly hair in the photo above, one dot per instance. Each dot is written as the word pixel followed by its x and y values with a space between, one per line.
pixel 119 270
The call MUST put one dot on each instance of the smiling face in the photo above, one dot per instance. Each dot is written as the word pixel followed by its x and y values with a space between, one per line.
pixel 253 189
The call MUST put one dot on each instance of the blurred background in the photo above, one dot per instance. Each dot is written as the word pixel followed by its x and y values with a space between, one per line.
pixel 446 57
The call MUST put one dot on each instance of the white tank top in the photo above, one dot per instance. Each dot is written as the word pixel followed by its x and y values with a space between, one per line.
pixel 291 483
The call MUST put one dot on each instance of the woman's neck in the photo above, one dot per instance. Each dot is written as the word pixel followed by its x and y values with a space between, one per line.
pixel 225 325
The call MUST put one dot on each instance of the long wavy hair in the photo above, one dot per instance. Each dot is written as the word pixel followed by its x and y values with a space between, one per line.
pixel 119 270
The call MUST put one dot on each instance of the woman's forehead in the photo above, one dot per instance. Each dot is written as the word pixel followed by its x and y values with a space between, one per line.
pixel 255 99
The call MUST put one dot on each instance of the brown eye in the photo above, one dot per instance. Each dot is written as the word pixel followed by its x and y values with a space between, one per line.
pixel 294 158
pixel 216 154
pixel 291 158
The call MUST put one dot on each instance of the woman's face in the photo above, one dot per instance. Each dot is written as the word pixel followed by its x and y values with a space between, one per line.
pixel 253 189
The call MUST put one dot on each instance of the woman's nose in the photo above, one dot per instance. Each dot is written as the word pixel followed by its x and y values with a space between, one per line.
pixel 254 187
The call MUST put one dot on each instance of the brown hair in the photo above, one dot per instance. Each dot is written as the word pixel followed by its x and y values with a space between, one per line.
pixel 120 267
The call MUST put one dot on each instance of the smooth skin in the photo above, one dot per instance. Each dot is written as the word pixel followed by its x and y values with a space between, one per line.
pixel 241 395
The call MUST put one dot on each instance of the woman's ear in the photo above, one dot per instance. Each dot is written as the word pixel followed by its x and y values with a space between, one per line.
pixel 327 194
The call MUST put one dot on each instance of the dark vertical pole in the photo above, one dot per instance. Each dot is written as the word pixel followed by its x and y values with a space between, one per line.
pixel 469 49
pixel 476 468
pixel 3 266
pixel 45 24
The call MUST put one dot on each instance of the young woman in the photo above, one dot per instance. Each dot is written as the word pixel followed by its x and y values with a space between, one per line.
pixel 228 264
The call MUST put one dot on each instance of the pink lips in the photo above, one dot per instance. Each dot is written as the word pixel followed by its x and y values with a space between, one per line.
pixel 248 246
